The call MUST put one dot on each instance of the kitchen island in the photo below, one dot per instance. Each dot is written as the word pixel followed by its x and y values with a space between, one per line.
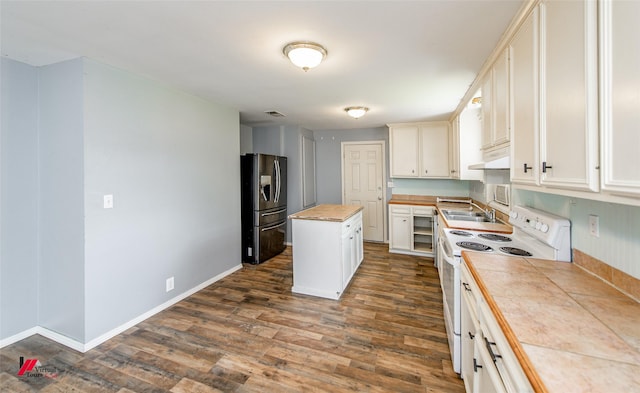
pixel 327 249
pixel 568 330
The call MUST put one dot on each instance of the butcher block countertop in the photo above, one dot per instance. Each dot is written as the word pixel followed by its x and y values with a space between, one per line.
pixel 424 200
pixel 337 213
pixel 571 331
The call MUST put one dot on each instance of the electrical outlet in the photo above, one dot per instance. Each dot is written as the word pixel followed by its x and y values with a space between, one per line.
pixel 594 225
pixel 169 284
pixel 108 201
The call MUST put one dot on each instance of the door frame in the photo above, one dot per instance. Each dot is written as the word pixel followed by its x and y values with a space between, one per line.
pixel 382 143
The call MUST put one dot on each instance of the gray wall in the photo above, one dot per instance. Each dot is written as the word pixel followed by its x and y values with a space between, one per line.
pixel 18 198
pixel 170 160
pixel 61 209
pixel 246 139
pixel 329 161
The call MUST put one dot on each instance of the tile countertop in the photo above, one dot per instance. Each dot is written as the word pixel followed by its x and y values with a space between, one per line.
pixel 420 200
pixel 571 331
pixel 337 213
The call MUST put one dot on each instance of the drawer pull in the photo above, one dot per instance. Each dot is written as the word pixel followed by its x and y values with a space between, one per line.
pixel 490 349
pixel 476 366
pixel 471 336
pixel 466 286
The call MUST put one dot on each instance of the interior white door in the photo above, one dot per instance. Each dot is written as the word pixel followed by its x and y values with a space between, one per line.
pixel 363 184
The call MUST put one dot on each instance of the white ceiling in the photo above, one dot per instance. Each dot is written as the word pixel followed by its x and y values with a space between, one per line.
pixel 405 60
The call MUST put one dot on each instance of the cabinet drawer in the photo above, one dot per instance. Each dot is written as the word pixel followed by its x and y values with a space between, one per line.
pixel 401 209
pixel 351 223
pixel 423 210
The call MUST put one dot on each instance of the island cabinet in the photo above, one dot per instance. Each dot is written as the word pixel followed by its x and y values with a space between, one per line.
pixel 327 249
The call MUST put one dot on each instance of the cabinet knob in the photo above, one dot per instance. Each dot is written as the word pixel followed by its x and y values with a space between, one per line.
pixel 426 171
pixel 379 198
pixel 526 167
pixel 545 167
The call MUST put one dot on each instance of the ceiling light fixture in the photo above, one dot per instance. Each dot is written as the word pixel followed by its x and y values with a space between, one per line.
pixel 305 54
pixel 356 111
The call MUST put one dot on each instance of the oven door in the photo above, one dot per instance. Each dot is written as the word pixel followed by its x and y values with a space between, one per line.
pixel 450 282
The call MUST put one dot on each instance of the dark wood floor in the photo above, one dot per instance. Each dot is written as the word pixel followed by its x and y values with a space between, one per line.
pixel 248 333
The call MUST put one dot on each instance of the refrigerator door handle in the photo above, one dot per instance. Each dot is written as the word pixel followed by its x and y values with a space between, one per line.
pixel 272 213
pixel 273 227
pixel 277 170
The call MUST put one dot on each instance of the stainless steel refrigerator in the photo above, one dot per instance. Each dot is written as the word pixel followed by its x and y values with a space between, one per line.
pixel 264 206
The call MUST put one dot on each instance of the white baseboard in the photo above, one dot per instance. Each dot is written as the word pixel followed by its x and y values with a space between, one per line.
pixel 19 336
pixel 80 347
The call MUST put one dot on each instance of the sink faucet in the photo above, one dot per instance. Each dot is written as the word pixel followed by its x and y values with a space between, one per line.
pixel 491 214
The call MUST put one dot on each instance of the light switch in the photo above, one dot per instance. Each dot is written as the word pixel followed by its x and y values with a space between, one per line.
pixel 108 201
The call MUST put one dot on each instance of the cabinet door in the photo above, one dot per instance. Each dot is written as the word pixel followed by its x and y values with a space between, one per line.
pixel 404 146
pixel 400 232
pixel 523 51
pixel 468 333
pixel 487 111
pixel 454 149
pixel 620 90
pixel 347 258
pixel 568 91
pixel 487 379
pixel 501 99
pixel 434 147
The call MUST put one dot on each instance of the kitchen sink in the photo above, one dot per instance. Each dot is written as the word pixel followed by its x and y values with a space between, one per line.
pixel 467 213
pixel 474 218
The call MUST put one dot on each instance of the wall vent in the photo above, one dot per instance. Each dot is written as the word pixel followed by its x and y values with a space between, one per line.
pixel 274 113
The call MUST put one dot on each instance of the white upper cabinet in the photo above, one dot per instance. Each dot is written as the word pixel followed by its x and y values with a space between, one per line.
pixel 569 95
pixel 554 106
pixel 404 147
pixel 487 111
pixel 466 129
pixel 495 104
pixel 501 99
pixel 620 96
pixel 523 51
pixel 434 152
pixel 419 150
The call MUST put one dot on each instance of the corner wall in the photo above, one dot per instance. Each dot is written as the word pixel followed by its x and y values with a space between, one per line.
pixel 61 272
pixel 18 198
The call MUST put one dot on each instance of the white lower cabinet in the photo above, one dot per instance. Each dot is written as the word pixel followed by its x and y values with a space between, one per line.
pixel 411 229
pixel 488 364
pixel 326 255
pixel 469 328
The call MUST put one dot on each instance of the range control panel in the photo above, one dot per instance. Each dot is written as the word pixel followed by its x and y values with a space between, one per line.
pixel 546 227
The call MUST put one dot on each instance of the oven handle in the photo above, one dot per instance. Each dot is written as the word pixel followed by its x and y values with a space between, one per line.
pixel 448 258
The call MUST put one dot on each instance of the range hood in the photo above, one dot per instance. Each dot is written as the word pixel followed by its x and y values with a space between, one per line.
pixel 494 163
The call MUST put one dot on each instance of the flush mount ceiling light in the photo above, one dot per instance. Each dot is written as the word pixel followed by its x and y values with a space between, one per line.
pixel 356 111
pixel 305 54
